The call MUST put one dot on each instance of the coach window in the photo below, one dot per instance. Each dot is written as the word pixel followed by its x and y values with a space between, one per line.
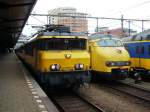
pixel 142 50
pixel 137 50
pixel 149 49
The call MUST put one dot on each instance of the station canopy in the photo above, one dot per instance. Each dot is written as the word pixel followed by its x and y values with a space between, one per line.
pixel 13 16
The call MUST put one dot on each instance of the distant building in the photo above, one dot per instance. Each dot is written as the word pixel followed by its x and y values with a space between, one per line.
pixel 70 17
pixel 119 32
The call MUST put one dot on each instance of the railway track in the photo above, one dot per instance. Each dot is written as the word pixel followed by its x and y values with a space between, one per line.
pixel 72 102
pixel 142 85
pixel 137 92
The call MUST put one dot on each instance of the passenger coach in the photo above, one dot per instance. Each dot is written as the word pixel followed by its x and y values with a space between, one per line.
pixel 138 47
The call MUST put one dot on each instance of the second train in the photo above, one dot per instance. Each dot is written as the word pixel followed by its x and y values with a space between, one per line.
pixel 109 58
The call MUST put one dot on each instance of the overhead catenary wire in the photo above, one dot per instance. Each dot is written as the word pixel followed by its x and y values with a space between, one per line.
pixel 136 25
pixel 114 23
pixel 130 8
pixel 98 18
pixel 147 16
pixel 91 17
pixel 38 20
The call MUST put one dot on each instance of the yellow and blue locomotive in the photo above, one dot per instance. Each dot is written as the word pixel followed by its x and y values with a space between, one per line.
pixel 59 57
pixel 138 47
pixel 109 58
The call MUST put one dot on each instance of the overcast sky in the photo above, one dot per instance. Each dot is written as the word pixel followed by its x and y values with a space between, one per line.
pixel 137 9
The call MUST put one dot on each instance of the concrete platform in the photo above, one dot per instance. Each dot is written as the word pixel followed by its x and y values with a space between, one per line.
pixel 17 93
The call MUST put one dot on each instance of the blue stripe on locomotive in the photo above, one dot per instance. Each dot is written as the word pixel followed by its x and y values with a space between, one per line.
pixel 134 54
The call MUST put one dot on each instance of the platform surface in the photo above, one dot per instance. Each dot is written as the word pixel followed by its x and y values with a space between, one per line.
pixel 15 95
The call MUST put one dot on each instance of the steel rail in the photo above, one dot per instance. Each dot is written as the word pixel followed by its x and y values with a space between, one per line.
pixel 66 101
pixel 132 91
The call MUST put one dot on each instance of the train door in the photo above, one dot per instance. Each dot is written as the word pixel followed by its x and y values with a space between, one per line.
pixel 142 56
pixel 137 56
pixel 140 50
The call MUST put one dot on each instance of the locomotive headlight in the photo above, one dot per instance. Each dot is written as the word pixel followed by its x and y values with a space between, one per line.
pixel 109 63
pixel 55 67
pixel 79 66
pixel 128 63
pixel 112 64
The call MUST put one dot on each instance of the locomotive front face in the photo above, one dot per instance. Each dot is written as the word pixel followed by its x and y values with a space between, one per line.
pixel 109 57
pixel 63 61
pixel 64 54
pixel 59 57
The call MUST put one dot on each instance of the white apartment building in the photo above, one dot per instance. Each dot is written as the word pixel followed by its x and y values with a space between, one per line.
pixel 70 17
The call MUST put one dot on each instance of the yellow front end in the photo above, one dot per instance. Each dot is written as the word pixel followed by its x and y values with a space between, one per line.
pixel 109 61
pixel 101 55
pixel 67 60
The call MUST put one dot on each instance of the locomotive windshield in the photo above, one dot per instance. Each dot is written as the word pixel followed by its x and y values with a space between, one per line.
pixel 62 44
pixel 109 43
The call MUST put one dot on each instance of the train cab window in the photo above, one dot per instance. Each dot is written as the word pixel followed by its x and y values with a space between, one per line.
pixel 63 44
pixel 109 43
pixel 78 44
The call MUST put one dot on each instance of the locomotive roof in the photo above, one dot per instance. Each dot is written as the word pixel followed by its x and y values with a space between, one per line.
pixel 57 31
pixel 61 35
